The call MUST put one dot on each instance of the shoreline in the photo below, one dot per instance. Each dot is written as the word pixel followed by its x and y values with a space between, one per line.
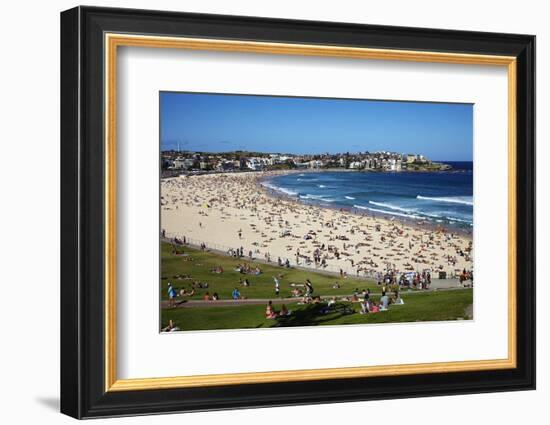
pixel 233 210
pixel 424 224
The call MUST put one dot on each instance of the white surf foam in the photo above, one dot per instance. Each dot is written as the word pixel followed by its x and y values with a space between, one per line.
pixel 392 207
pixel 280 189
pixel 398 214
pixel 465 200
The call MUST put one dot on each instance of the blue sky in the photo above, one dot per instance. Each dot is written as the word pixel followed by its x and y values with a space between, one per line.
pixel 217 123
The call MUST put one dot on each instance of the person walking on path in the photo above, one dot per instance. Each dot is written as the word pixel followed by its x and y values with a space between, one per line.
pixel 309 288
pixel 277 286
pixel 236 294
pixel 171 295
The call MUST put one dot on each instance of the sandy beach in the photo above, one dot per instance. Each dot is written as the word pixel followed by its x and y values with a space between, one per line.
pixel 233 210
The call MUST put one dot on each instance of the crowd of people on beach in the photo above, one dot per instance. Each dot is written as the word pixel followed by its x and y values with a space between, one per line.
pixel 250 222
pixel 222 209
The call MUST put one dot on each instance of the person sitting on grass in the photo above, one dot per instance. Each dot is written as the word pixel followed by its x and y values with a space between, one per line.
pixel 242 268
pixel 215 296
pixel 199 285
pixel 306 299
pixel 171 327
pixel 398 300
pixel 374 308
pixel 171 295
pixel 284 311
pixel 206 296
pixel 236 294
pixel 270 313
pixel 366 295
pixel 331 305
pixel 384 302
pixel 296 292
pixel 217 270
pixel 185 293
pixel 365 307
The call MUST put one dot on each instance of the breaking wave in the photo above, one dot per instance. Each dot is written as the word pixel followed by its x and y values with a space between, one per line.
pixel 465 200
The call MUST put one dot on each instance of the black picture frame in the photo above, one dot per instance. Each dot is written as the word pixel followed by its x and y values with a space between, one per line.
pixel 83 392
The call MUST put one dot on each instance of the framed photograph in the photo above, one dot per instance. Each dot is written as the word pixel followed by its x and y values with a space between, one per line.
pixel 261 212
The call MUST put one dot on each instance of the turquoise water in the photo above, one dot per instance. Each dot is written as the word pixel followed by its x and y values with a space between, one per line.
pixel 444 197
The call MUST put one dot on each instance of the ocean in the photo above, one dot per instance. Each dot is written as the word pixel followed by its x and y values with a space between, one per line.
pixel 439 198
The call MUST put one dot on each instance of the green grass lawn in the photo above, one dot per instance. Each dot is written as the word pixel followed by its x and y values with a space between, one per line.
pixel 419 306
pixel 262 286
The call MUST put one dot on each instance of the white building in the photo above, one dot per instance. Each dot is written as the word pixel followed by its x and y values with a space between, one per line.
pixel 184 163
pixel 254 164
pixel 257 163
pixel 356 165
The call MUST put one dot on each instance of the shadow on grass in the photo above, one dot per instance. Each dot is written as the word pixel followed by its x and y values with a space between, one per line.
pixel 313 315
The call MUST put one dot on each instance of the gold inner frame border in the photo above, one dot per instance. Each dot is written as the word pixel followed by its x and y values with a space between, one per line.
pixel 112 41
